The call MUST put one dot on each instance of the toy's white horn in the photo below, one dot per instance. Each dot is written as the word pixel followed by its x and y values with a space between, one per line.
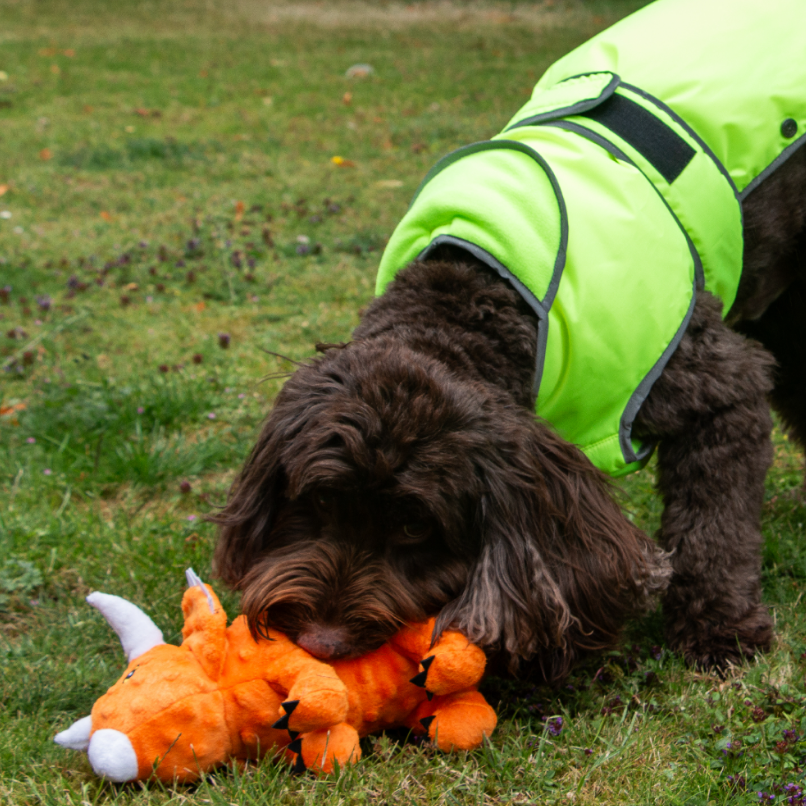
pixel 137 632
pixel 112 755
pixel 77 736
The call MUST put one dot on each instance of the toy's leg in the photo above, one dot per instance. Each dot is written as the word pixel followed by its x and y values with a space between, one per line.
pixel 458 721
pixel 453 664
pixel 321 750
pixel 314 701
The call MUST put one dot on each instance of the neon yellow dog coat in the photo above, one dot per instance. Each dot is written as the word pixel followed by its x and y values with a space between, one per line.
pixel 616 191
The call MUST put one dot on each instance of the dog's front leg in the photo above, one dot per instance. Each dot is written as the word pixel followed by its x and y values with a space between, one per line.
pixel 710 413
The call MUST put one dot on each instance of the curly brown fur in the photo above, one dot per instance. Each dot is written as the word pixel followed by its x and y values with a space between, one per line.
pixel 404 474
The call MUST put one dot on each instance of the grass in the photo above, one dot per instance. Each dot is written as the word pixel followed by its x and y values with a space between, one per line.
pixel 171 218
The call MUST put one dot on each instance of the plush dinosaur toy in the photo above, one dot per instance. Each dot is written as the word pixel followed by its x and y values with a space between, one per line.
pixel 179 711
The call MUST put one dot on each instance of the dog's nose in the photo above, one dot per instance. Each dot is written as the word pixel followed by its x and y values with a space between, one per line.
pixel 324 641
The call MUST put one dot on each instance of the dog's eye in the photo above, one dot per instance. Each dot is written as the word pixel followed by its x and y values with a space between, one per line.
pixel 416 530
pixel 325 501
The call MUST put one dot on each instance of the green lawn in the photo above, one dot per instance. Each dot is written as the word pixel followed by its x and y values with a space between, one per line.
pixel 171 219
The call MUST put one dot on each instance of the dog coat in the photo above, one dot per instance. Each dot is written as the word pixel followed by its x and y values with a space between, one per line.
pixel 616 192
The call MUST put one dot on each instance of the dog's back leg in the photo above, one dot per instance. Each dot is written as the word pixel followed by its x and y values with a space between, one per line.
pixel 782 330
pixel 710 413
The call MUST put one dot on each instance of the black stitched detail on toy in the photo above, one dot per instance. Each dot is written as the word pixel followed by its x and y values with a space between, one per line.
pixel 661 146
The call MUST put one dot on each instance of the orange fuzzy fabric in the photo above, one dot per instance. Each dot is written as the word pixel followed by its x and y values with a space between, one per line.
pixel 217 697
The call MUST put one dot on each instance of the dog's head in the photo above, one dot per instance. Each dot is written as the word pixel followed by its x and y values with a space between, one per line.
pixel 385 488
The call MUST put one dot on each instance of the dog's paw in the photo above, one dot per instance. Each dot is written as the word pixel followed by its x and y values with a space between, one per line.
pixel 718 646
pixel 453 664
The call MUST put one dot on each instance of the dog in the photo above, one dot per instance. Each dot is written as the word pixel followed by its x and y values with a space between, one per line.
pixel 404 474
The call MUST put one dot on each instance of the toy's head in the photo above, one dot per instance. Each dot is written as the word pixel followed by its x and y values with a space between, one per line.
pixel 166 714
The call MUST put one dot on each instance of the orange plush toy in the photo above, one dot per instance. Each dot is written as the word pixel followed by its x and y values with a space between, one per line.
pixel 178 711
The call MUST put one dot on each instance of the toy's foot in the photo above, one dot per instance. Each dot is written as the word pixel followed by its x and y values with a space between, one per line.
pixel 457 721
pixel 313 703
pixel 452 665
pixel 321 750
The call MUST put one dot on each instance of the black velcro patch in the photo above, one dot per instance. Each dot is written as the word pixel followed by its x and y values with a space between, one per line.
pixel 652 138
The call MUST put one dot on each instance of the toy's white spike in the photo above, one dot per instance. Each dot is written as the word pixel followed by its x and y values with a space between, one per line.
pixel 77 736
pixel 112 755
pixel 137 632
pixel 194 579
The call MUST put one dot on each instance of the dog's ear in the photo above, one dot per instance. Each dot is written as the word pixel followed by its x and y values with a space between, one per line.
pixel 256 496
pixel 560 566
pixel 246 518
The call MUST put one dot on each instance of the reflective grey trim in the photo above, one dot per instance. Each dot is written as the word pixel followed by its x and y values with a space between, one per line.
pixel 640 394
pixel 485 257
pixel 699 273
pixel 593 136
pixel 513 145
pixel 776 163
pixel 476 148
pixel 540 307
pixel 531 300
pixel 574 109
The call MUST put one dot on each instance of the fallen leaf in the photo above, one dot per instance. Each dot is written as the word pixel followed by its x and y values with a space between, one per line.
pixel 142 112
pixel 106 216
pixel 342 163
pixel 7 410
pixel 347 97
pixel 132 287
pixel 239 209
pixel 3 190
pixel 199 307
pixel 45 154
pixel 69 53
